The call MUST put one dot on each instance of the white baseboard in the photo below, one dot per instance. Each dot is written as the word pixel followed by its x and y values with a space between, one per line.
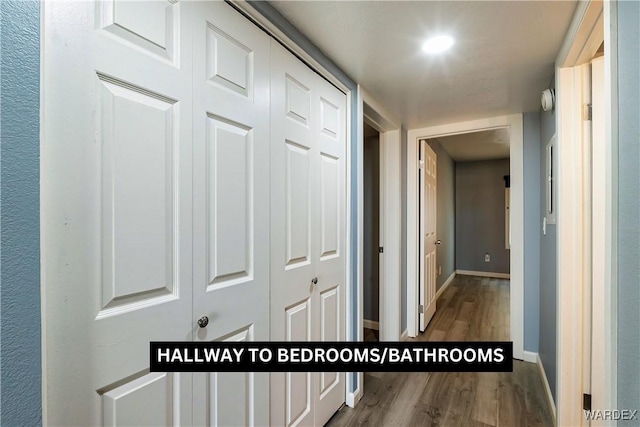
pixel 371 324
pixel 484 274
pixel 445 284
pixel 543 374
pixel 530 356
pixel 353 398
pixel 405 335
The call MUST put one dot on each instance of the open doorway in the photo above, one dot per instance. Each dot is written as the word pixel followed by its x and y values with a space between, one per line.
pixel 372 223
pixel 514 125
pixel 464 182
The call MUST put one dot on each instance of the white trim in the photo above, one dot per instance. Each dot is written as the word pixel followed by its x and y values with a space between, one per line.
pixel 354 397
pixel 272 30
pixel 514 123
pixel 530 356
pixel 610 398
pixel 404 336
pixel 591 24
pixel 371 324
pixel 445 284
pixel 545 382
pixel 484 274
pixel 391 202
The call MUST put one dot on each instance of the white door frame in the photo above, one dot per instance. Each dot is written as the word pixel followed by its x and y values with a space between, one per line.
pixel 390 220
pixel 390 175
pixel 593 21
pixel 514 124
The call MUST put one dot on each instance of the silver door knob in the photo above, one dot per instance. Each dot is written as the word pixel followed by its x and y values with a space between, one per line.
pixel 438 242
pixel 203 321
pixel 314 280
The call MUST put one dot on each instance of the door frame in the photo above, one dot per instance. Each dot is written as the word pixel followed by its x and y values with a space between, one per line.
pixel 516 164
pixel 593 22
pixel 390 217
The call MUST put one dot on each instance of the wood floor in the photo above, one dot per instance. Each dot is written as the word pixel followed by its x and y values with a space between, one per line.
pixel 470 309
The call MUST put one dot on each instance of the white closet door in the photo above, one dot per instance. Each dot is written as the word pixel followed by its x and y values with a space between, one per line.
pixel 231 206
pixel 116 209
pixel 307 232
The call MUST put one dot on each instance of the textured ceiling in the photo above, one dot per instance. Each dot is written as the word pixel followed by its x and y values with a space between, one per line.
pixel 485 145
pixel 502 59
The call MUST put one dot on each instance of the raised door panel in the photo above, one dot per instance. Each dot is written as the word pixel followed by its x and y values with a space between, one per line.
pixel 116 208
pixel 231 394
pixel 298 396
pixel 152 400
pixel 230 205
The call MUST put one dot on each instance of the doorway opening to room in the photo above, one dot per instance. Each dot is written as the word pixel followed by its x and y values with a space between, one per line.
pixel 486 256
pixel 465 236
pixel 372 233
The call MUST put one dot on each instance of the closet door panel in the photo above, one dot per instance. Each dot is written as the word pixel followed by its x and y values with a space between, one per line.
pixel 231 206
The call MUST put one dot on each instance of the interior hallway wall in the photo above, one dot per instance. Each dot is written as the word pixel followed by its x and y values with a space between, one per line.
pixel 20 325
pixel 628 56
pixel 532 227
pixel 548 286
pixel 446 212
pixel 480 216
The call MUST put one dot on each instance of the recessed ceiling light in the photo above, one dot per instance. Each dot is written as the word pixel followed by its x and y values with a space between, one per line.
pixel 437 44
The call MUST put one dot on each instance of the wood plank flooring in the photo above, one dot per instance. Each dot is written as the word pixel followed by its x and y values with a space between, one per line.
pixel 470 309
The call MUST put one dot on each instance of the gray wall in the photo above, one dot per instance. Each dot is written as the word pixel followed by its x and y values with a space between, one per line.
pixel 628 207
pixel 532 224
pixel 547 344
pixel 446 212
pixel 480 216
pixel 20 372
pixel 371 207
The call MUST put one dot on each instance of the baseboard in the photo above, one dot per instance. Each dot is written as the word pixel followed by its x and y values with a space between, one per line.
pixel 353 398
pixel 530 356
pixel 405 335
pixel 371 324
pixel 543 374
pixel 484 274
pixel 445 284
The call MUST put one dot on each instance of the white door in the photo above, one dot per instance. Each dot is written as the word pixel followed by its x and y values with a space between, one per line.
pixel 307 232
pixel 428 181
pixel 231 206
pixel 116 209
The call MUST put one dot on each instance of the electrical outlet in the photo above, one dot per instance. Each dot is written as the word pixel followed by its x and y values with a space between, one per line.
pixel 487 258
pixel 439 270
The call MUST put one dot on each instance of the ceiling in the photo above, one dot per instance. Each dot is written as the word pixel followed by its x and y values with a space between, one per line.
pixel 502 59
pixel 484 145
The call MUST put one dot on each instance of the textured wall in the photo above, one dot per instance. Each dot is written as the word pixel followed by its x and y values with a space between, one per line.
pixel 446 212
pixel 480 216
pixel 371 207
pixel 532 227
pixel 20 372
pixel 548 287
pixel 628 207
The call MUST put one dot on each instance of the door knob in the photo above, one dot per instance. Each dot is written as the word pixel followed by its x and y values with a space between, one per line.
pixel 203 321
pixel 438 242
pixel 314 280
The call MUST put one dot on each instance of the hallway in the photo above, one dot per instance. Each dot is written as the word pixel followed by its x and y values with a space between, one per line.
pixel 470 309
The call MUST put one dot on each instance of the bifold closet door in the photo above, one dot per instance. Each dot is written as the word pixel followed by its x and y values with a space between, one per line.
pixel 307 232
pixel 231 206
pixel 116 209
